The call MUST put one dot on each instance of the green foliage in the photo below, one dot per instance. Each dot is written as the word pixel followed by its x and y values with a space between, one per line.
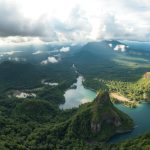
pixel 35 110
pixel 39 124
pixel 134 91
pixel 139 143
pixel 93 115
pixel 35 124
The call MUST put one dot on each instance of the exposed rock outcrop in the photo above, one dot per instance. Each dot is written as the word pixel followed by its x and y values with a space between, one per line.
pixel 103 112
pixel 99 119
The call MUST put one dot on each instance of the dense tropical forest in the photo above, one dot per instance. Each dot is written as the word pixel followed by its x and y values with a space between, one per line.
pixel 31 93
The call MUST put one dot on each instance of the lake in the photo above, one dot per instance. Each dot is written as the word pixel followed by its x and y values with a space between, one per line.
pixel 79 95
pixel 140 115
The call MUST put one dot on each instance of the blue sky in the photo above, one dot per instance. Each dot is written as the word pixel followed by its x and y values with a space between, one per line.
pixel 38 21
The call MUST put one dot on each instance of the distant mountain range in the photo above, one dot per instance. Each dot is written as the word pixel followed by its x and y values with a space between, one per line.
pixel 108 47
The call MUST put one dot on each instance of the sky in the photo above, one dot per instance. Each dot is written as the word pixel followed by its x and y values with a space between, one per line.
pixel 38 21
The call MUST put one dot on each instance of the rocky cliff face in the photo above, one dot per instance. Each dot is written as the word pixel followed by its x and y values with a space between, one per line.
pixel 99 119
pixel 103 112
pixel 95 126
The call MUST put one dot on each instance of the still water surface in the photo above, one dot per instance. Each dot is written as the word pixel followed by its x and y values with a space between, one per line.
pixel 76 96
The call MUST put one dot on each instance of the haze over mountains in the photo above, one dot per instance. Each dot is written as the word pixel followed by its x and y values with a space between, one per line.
pixel 34 78
pixel 74 74
pixel 55 52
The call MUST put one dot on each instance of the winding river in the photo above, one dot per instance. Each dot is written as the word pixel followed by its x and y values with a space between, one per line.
pixel 140 115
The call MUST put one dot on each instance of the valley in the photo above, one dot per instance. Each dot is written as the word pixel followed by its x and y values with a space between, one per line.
pixel 74 74
pixel 64 102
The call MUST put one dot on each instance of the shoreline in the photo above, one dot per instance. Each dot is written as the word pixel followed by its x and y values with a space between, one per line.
pixel 117 98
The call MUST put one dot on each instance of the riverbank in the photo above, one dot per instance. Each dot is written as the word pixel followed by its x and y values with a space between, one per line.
pixel 117 98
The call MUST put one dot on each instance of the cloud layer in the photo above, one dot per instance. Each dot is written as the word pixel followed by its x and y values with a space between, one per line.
pixel 65 49
pixel 73 21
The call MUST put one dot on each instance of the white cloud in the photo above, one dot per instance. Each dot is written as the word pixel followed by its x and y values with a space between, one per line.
pixel 65 49
pixel 19 94
pixel 37 52
pixel 8 52
pixel 54 51
pixel 73 21
pixel 49 83
pixel 49 60
pixel 120 47
pixel 110 45
pixel 16 59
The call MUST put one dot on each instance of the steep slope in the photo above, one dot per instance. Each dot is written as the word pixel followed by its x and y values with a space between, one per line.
pixel 104 48
pixel 92 124
pixel 99 120
pixel 97 50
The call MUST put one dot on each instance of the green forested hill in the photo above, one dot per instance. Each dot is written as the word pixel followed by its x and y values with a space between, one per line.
pixel 35 124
